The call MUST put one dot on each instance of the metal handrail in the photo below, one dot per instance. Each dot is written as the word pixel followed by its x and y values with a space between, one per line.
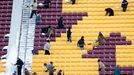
pixel 26 39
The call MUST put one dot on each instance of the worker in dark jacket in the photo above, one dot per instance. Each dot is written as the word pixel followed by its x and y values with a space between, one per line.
pixel 69 35
pixel 45 30
pixel 124 5
pixel 73 1
pixel 109 12
pixel 60 72
pixel 81 43
pixel 47 3
pixel 60 23
pixel 19 65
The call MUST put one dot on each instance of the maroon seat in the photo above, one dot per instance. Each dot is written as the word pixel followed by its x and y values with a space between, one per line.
pixel 115 34
pixel 129 43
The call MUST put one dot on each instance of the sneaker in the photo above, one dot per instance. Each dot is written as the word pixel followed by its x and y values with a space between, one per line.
pixel 43 33
pixel 48 39
pixel 95 47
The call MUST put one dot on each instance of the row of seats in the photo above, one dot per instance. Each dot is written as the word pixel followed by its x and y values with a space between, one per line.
pixel 100 2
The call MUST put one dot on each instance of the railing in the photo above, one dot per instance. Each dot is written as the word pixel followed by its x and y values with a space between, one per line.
pixel 25 55
pixel 14 40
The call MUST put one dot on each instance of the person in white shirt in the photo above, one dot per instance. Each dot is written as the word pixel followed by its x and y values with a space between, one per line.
pixel 47 47
pixel 101 66
pixel 34 9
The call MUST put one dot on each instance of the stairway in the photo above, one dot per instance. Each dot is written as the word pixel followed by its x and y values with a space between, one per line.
pixel 27 36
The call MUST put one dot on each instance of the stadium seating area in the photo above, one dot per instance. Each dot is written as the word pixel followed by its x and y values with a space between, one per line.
pixel 5 18
pixel 67 56
pixel 50 17
pixel 86 18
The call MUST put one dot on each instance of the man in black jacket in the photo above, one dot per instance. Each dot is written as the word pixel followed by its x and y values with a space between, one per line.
pixel 73 1
pixel 69 35
pixel 47 3
pixel 124 5
pixel 81 43
pixel 109 11
pixel 19 65
pixel 60 23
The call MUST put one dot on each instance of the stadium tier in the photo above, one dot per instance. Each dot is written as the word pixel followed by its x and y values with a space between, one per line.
pixel 118 30
pixel 85 18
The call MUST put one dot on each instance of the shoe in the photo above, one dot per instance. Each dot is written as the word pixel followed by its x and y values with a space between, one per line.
pixel 48 39
pixel 43 33
pixel 95 47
